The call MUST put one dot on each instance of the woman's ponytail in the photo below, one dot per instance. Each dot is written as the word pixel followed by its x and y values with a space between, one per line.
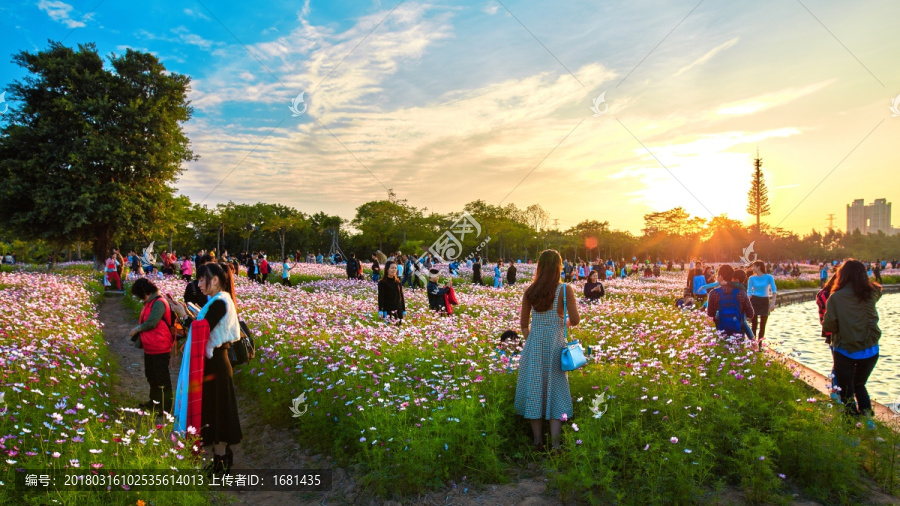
pixel 228 285
pixel 222 272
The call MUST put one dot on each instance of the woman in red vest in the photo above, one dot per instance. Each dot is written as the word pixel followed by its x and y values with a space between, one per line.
pixel 154 336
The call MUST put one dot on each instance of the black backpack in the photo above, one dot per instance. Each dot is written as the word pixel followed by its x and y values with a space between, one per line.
pixel 242 351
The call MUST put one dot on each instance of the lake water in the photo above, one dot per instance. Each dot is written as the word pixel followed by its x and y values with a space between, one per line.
pixel 795 330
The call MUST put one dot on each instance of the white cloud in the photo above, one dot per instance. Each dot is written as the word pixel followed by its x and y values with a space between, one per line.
pixel 185 36
pixel 765 101
pixel 196 14
pixel 61 13
pixel 706 57
pixel 491 9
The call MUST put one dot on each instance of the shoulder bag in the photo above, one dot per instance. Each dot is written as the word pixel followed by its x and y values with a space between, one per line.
pixel 572 355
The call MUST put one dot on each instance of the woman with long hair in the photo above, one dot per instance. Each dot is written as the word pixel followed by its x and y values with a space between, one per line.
pixel 390 294
pixel 762 291
pixel 852 319
pixel 207 371
pixel 821 301
pixel 542 388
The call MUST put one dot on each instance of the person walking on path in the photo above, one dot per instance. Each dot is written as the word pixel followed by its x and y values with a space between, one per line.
pixel 498 278
pixel 120 263
pixel 187 270
pixel 153 335
pixel 821 301
pixel 390 294
pixel 852 319
pixel 476 272
pixel 729 306
pixel 206 374
pixel 542 388
pixel 112 271
pixel 762 296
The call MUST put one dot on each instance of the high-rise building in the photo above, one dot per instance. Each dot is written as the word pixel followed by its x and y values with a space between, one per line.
pixel 870 219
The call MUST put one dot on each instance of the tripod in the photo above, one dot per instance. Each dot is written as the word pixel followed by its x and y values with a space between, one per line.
pixel 335 247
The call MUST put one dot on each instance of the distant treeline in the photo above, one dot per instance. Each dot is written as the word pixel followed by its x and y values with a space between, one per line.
pixel 394 225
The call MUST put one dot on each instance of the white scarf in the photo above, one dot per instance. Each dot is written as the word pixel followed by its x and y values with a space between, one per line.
pixel 227 330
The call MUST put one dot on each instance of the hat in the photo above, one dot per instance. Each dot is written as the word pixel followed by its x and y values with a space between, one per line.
pixel 433 273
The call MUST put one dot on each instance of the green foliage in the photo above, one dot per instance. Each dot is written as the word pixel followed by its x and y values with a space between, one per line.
pixel 105 144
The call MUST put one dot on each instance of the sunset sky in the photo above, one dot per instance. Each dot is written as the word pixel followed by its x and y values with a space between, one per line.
pixel 448 102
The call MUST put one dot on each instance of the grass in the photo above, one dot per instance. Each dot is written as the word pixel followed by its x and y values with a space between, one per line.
pixel 795 284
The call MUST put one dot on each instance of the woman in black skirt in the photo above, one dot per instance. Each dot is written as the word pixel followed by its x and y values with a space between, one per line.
pixel 218 412
pixel 390 294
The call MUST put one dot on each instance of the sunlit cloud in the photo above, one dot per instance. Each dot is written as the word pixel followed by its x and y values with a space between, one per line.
pixel 769 100
pixel 706 57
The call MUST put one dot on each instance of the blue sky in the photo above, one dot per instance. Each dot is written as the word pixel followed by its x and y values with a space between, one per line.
pixel 455 101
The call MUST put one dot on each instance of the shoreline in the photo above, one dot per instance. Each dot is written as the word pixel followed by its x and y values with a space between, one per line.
pixel 816 379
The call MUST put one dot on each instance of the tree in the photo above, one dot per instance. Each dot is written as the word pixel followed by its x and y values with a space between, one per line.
pixel 91 150
pixel 282 221
pixel 536 217
pixel 758 196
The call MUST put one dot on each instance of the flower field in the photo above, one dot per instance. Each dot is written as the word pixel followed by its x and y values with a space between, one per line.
pixel 666 410
pixel 683 414
pixel 55 406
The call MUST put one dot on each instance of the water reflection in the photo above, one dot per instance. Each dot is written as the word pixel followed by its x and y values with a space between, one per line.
pixel 795 329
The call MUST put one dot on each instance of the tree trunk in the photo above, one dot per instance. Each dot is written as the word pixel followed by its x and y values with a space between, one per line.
pixel 102 246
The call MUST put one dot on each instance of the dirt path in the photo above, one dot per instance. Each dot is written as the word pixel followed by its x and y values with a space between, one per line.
pixel 129 387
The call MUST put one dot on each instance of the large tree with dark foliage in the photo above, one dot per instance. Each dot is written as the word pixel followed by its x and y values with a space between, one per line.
pixel 88 150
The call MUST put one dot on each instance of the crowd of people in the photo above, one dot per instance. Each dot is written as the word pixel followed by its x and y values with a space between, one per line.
pixel 739 300
pixel 847 313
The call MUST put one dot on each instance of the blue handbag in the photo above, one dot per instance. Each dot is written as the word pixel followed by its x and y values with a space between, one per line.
pixel 572 355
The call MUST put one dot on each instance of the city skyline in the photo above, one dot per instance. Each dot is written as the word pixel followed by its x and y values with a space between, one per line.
pixel 595 112
pixel 870 218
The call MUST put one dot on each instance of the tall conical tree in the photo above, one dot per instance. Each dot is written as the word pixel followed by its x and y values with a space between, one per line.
pixel 758 196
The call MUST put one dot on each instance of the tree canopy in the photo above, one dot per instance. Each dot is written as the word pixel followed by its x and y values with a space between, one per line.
pixel 90 150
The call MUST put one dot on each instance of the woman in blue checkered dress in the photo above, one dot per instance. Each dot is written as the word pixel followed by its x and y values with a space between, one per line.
pixel 542 390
